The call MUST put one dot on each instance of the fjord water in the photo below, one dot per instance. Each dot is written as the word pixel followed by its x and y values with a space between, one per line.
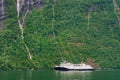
pixel 60 75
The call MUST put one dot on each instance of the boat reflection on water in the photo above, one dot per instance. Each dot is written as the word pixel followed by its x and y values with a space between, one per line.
pixel 74 75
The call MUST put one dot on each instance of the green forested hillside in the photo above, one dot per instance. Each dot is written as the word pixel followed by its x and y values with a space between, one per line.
pixel 73 30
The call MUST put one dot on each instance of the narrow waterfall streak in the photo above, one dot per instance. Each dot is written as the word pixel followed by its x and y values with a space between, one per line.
pixel 25 16
pixel 116 7
pixel 53 17
pixel 21 24
pixel 28 50
pixel 88 27
pixel 19 21
pixel 21 28
pixel 2 13
pixel 116 10
pixel 18 8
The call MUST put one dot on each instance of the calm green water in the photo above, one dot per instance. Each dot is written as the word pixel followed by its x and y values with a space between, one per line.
pixel 56 75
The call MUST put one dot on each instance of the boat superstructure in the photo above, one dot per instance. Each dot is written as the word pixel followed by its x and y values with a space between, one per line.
pixel 65 66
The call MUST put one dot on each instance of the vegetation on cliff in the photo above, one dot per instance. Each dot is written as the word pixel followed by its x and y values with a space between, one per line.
pixel 73 30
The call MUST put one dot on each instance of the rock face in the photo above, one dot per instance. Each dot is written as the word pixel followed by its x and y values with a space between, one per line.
pixel 28 4
pixel 24 7
pixel 36 3
pixel 2 13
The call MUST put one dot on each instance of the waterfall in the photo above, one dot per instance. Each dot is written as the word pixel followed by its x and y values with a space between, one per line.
pixel 3 7
pixel 92 8
pixel 22 21
pixel 18 7
pixel 88 21
pixel 116 10
pixel 2 12
pixel 23 7
pixel 53 17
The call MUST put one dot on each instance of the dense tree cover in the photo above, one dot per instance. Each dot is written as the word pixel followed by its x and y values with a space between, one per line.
pixel 73 30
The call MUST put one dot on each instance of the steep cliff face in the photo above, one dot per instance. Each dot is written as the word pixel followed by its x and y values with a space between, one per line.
pixel 25 5
pixel 2 13
pixel 23 8
pixel 35 37
pixel 19 9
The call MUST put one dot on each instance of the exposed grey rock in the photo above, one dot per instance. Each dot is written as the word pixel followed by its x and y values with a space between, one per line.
pixel 25 7
pixel 28 4
pixel 2 13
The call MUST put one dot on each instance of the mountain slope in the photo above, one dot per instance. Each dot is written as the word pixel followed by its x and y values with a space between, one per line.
pixel 73 30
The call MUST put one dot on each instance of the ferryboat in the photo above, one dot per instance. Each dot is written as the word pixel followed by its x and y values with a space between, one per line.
pixel 65 66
